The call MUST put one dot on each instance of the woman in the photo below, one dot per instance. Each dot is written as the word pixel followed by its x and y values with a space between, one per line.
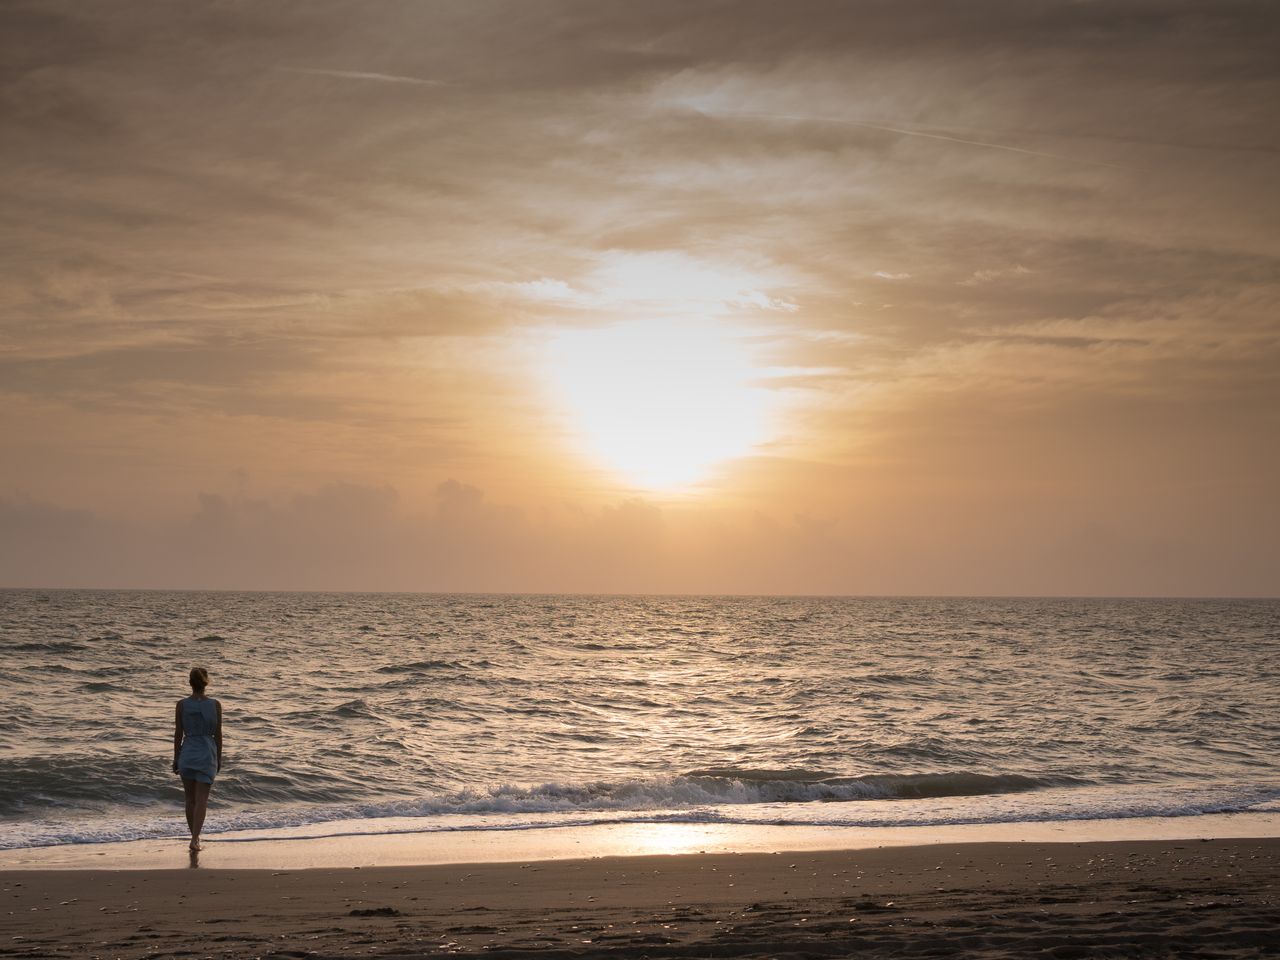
pixel 197 749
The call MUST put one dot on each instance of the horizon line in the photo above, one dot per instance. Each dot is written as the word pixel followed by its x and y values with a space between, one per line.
pixel 599 593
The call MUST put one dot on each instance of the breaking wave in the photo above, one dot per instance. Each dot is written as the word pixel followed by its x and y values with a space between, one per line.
pixel 885 801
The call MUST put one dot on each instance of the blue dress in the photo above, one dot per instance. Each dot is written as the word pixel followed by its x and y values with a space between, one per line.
pixel 198 758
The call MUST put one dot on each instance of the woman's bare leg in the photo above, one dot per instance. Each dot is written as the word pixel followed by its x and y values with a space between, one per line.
pixel 189 788
pixel 201 805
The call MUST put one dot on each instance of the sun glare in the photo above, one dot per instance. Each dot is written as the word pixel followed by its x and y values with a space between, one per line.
pixel 659 402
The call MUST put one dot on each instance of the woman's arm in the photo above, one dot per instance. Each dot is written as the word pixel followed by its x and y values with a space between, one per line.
pixel 217 737
pixel 177 733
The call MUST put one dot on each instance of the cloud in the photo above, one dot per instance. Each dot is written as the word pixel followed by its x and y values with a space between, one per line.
pixel 338 536
pixel 339 277
pixel 356 537
pixel 908 131
pixel 658 281
pixel 991 275
pixel 361 75
pixel 545 288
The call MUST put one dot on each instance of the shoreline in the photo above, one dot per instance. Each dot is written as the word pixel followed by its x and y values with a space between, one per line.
pixel 1153 898
pixel 404 842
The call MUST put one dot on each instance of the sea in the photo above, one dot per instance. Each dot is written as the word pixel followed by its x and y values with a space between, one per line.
pixel 510 712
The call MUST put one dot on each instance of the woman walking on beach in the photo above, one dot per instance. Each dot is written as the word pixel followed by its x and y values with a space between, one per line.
pixel 197 749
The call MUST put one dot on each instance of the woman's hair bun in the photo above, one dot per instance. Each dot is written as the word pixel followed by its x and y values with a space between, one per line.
pixel 199 678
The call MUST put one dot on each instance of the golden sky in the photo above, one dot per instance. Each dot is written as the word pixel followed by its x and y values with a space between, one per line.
pixel 584 295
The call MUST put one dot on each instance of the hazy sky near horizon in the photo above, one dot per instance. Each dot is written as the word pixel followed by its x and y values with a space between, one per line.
pixel 281 280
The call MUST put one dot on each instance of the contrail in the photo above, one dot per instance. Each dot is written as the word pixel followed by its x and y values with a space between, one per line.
pixel 362 75
pixel 908 132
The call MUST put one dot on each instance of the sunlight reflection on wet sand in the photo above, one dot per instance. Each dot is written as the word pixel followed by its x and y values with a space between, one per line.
pixel 281 850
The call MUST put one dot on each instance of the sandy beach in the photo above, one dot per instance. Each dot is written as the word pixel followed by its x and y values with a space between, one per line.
pixel 651 480
pixel 1157 898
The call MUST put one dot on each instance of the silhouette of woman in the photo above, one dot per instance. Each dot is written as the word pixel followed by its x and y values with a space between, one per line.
pixel 197 749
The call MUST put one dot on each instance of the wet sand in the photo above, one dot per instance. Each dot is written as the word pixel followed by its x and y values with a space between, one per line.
pixel 1154 898
pixel 403 842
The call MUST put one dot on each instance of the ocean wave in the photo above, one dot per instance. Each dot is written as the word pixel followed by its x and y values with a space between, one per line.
pixel 69 781
pixel 741 786
pixel 101 686
pixel 421 666
pixel 33 785
pixel 91 783
pixel 454 814
pixel 808 785
pixel 45 646
pixel 353 709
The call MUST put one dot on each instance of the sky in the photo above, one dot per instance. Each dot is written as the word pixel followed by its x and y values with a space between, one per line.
pixel 732 296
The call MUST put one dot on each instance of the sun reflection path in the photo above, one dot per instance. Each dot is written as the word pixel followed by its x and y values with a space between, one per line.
pixel 643 839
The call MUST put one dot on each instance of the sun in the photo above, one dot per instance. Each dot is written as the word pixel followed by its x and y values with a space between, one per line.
pixel 659 402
